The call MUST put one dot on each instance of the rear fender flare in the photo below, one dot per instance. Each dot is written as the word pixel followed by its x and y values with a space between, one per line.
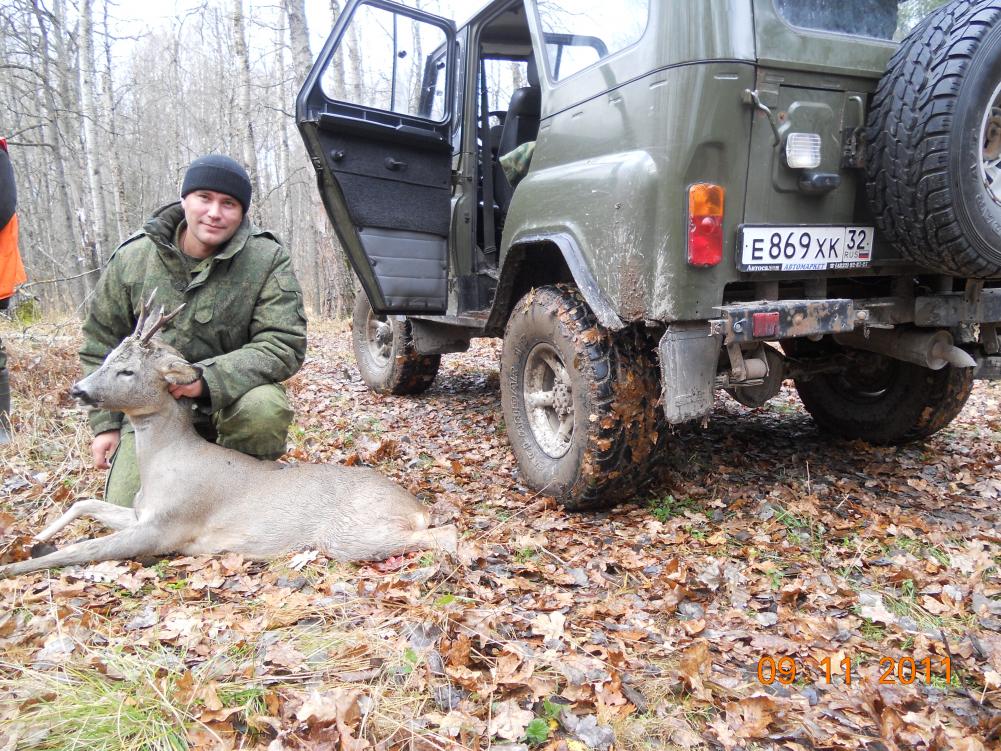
pixel 521 248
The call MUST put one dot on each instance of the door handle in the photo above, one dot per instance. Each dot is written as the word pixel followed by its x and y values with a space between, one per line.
pixel 395 165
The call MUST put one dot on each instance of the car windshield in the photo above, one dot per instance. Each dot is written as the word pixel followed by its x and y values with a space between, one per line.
pixel 880 19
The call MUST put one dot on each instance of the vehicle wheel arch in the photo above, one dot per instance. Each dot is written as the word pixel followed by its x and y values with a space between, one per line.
pixel 555 259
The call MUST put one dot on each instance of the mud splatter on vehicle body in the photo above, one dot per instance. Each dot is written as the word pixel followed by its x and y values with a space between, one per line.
pixel 773 198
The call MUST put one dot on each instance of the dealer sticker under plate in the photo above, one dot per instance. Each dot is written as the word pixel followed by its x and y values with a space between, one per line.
pixel 803 248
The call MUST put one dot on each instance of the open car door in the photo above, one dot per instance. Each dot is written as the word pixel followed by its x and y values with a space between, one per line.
pixel 375 116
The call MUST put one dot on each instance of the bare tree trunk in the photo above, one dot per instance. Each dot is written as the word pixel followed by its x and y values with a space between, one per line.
pixel 89 115
pixel 354 56
pixel 244 113
pixel 332 277
pixel 284 158
pixel 54 139
pixel 416 65
pixel 302 60
pixel 340 88
pixel 70 129
pixel 340 272
pixel 108 110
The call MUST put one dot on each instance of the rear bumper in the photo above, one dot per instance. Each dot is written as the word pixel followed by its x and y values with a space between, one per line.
pixel 772 320
pixel 787 319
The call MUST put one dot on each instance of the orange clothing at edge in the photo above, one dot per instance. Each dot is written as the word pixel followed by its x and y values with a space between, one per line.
pixel 11 268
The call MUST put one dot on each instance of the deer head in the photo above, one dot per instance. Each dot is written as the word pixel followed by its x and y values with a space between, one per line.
pixel 134 376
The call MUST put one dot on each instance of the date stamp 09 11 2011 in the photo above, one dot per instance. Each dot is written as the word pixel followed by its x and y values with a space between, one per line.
pixel 893 670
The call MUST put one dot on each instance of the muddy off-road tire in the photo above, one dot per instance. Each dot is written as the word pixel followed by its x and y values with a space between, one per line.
pixel 885 401
pixel 933 161
pixel 580 402
pixel 384 352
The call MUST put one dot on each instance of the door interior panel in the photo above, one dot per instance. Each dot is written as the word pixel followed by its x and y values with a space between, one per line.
pixel 408 266
pixel 393 185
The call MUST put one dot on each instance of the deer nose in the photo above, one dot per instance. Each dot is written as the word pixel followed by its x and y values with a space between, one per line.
pixel 81 395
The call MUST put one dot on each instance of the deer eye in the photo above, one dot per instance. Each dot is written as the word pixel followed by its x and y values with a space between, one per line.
pixel 126 372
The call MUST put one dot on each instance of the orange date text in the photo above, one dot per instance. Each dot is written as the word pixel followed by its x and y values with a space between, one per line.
pixel 892 670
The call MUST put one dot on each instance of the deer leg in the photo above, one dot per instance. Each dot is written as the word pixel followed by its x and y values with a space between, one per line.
pixel 135 541
pixel 110 515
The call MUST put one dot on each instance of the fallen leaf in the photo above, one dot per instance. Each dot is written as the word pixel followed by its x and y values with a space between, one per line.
pixel 751 717
pixel 336 705
pixel 549 626
pixel 694 666
pixel 509 721
pixel 872 608
pixel 299 560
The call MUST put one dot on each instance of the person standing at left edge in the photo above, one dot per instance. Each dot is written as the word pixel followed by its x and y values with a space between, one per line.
pixel 243 324
pixel 11 273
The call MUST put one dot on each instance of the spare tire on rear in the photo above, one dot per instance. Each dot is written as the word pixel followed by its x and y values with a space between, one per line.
pixel 933 165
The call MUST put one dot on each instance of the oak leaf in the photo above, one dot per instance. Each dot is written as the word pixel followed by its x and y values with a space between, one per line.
pixel 339 705
pixel 751 717
pixel 509 721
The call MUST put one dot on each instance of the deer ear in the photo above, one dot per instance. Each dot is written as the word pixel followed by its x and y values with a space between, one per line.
pixel 178 371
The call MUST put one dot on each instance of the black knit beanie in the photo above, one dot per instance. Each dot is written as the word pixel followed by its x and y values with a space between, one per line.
pixel 219 173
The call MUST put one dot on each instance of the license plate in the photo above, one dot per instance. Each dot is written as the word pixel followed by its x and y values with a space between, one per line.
pixel 804 248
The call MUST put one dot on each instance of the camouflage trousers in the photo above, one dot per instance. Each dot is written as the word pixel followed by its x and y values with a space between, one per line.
pixel 255 424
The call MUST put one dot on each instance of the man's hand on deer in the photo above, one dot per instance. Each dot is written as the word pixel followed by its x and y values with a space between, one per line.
pixel 191 390
pixel 103 446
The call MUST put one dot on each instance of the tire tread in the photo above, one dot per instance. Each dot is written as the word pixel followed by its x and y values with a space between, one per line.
pixel 410 372
pixel 909 132
pixel 627 426
pixel 924 402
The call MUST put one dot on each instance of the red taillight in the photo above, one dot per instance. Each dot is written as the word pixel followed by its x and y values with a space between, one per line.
pixel 765 325
pixel 705 224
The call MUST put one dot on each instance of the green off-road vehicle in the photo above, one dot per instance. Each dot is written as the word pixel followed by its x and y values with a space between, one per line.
pixel 723 194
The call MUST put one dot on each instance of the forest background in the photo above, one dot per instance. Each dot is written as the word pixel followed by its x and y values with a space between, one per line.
pixel 106 103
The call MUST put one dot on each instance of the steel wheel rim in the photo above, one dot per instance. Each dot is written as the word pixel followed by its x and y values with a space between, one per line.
pixel 548 397
pixel 990 140
pixel 379 337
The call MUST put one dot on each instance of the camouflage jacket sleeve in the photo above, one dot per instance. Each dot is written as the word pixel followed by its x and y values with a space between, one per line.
pixel 516 163
pixel 109 321
pixel 277 344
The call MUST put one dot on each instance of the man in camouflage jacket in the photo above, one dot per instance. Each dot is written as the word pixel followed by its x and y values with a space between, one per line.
pixel 243 322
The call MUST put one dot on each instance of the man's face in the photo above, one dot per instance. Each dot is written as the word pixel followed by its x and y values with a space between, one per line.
pixel 212 217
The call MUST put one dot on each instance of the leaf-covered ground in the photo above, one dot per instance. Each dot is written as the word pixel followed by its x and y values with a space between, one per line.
pixel 726 609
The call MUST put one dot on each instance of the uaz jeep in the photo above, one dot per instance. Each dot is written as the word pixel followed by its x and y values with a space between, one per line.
pixel 723 194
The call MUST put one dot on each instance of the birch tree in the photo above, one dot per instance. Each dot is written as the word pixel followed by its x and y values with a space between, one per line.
pixel 97 228
pixel 109 121
pixel 331 276
pixel 244 115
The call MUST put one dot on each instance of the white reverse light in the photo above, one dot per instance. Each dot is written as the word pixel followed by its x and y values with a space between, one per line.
pixel 803 150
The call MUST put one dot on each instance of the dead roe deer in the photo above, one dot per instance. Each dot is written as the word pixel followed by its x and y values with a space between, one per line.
pixel 200 498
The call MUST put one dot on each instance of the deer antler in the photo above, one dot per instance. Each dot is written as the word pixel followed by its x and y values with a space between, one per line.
pixel 144 312
pixel 160 323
